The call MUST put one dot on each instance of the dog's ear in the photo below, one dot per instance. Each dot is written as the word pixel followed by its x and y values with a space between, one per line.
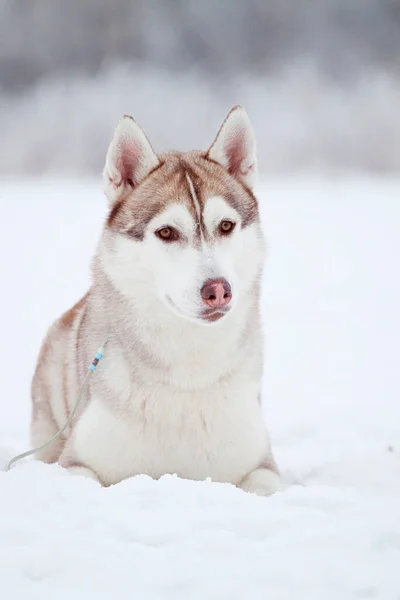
pixel 235 147
pixel 130 158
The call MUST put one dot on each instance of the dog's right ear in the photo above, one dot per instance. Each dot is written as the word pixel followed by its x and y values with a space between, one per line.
pixel 130 158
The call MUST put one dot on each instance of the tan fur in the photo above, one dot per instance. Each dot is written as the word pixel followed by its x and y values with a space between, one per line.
pixel 167 182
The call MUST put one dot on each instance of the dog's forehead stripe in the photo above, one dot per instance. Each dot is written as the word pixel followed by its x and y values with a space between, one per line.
pixel 196 203
pixel 193 196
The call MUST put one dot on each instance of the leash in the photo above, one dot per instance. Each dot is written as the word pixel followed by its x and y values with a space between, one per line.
pixel 92 367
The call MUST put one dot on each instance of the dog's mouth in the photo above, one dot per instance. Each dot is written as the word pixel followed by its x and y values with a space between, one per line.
pixel 209 315
pixel 213 315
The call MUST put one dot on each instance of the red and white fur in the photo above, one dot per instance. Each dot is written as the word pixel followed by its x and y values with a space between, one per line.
pixel 175 291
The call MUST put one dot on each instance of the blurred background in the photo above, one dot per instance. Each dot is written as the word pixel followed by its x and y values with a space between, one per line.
pixel 319 78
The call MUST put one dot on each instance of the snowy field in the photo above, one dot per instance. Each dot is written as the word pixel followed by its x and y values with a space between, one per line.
pixel 331 394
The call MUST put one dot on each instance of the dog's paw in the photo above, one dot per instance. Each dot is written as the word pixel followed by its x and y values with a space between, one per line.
pixel 262 482
pixel 83 472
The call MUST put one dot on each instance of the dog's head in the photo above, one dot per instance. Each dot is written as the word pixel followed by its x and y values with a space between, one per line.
pixel 184 228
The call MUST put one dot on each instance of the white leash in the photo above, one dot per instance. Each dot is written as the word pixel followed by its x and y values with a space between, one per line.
pixel 93 366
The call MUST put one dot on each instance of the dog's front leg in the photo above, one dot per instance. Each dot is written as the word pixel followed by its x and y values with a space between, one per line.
pixel 74 466
pixel 83 472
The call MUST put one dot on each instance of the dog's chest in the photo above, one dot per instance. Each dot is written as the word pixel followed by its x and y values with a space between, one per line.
pixel 155 428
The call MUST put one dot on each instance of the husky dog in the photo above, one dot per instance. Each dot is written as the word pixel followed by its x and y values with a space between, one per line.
pixel 175 291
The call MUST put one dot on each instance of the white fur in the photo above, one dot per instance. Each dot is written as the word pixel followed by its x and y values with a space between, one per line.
pixel 193 434
pixel 177 272
pixel 181 421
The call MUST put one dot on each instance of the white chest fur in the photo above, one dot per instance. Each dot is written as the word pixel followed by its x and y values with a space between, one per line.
pixel 147 426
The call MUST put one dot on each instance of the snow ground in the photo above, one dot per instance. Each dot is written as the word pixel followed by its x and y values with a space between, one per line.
pixel 331 393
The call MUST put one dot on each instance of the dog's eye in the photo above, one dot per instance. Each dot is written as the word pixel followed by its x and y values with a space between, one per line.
pixel 167 234
pixel 226 227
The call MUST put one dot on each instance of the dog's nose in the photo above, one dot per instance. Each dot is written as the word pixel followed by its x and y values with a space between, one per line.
pixel 216 293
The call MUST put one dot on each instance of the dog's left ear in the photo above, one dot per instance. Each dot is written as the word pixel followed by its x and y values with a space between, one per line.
pixel 235 147
pixel 130 158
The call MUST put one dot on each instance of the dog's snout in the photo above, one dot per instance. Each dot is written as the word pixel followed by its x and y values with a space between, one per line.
pixel 216 293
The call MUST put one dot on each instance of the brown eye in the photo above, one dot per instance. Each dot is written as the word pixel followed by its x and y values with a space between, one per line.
pixel 226 226
pixel 168 234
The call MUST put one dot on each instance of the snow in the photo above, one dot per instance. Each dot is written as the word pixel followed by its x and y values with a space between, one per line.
pixel 331 395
